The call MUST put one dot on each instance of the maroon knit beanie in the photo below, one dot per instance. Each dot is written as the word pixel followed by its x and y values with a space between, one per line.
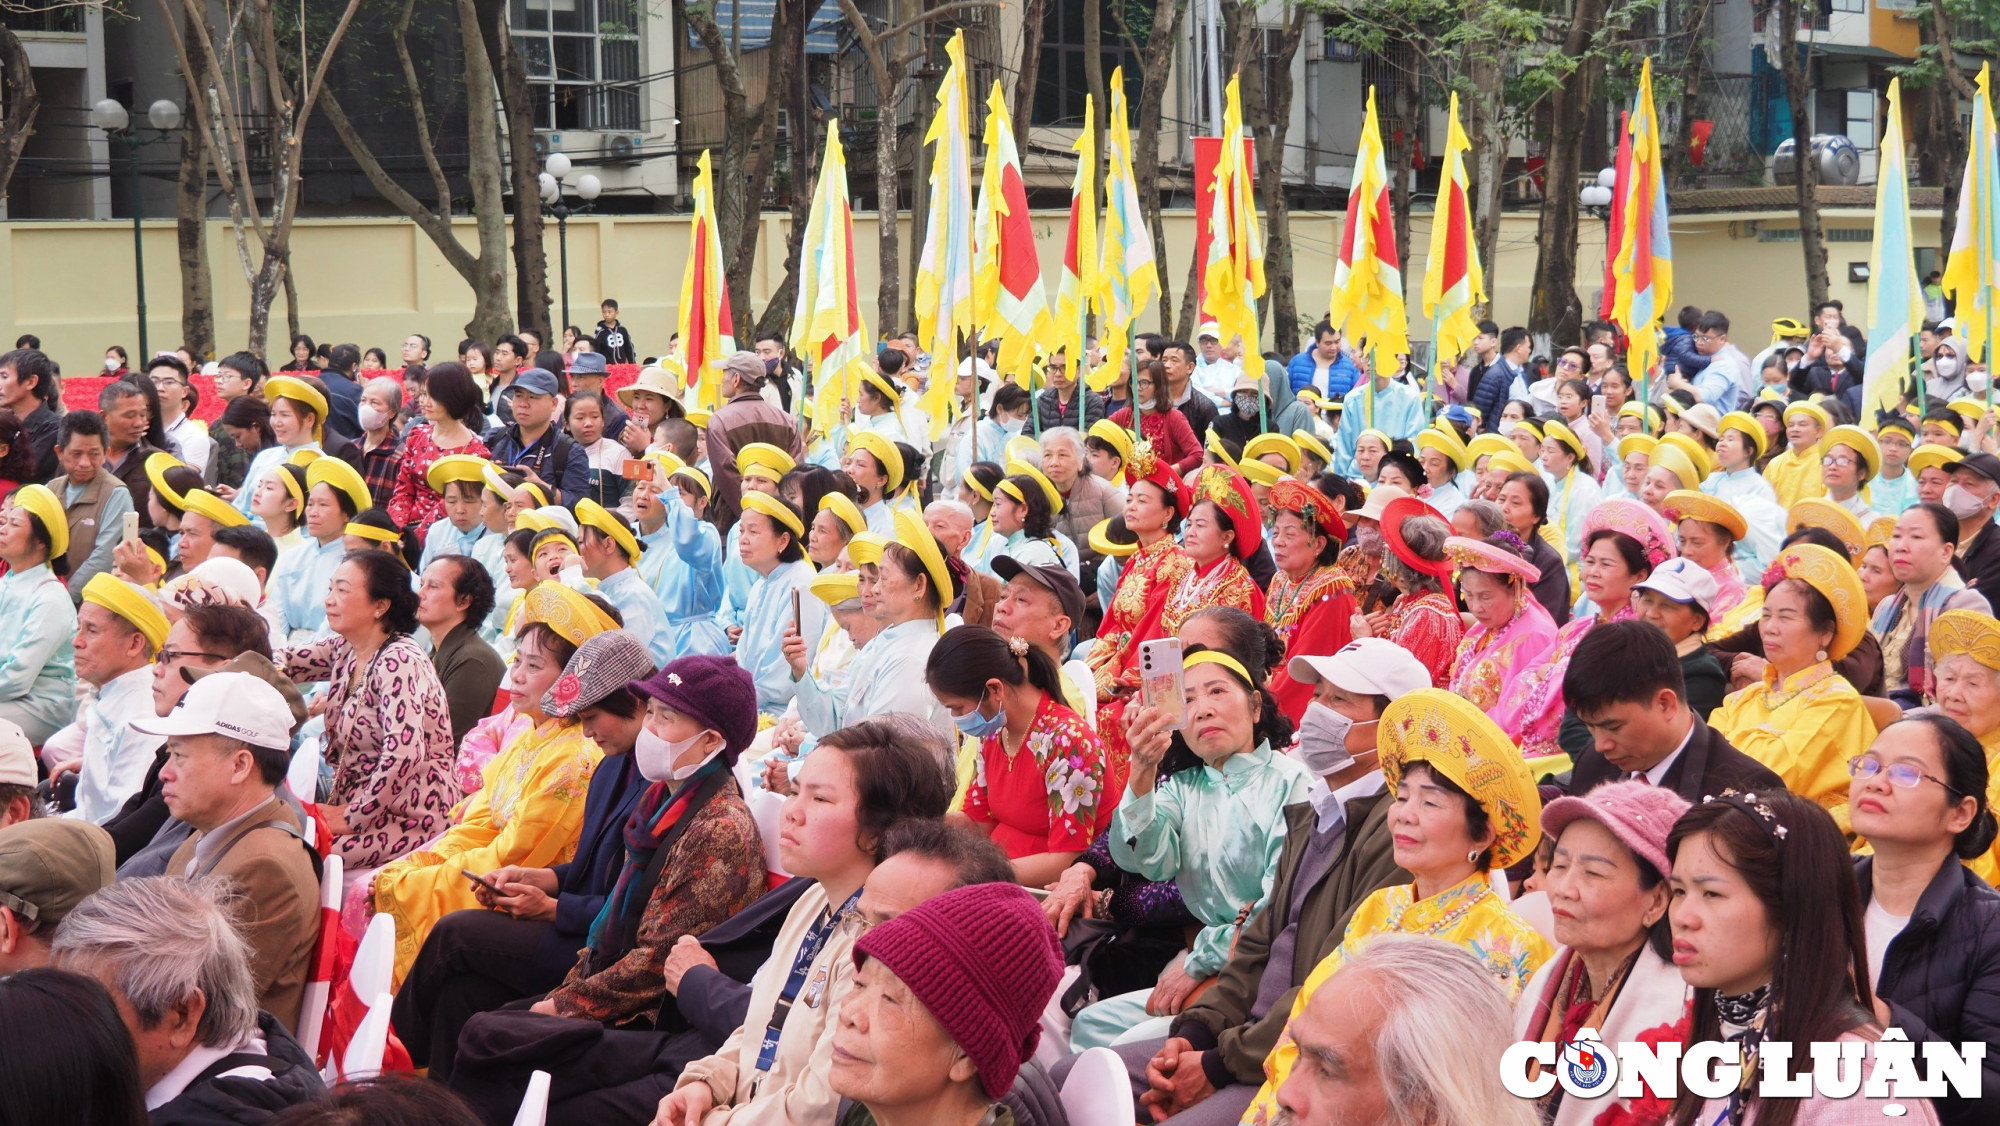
pixel 984 960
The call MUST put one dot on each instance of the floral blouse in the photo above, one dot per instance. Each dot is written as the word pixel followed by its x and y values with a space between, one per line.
pixel 1428 625
pixel 414 501
pixel 388 737
pixel 1053 800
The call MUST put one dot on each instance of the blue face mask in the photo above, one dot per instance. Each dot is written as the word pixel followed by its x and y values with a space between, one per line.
pixel 978 726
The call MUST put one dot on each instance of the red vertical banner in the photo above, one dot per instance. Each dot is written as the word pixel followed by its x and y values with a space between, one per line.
pixel 1208 150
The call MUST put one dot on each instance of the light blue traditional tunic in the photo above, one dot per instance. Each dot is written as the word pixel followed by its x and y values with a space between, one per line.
pixel 887 676
pixel 881 519
pixel 1892 496
pixel 444 538
pixel 986 440
pixel 984 545
pixel 1859 506
pixel 1752 495
pixel 488 552
pixel 644 617
pixel 683 562
pixel 298 585
pixel 1108 574
pixel 1398 412
pixel 1570 502
pixel 1736 486
pixel 116 757
pixel 1057 549
pixel 1217 833
pixel 737 579
pixel 267 459
pixel 1446 498
pixel 765 618
pixel 38 663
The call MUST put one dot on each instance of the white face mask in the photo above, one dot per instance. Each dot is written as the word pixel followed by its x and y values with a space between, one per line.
pixel 1507 425
pixel 656 757
pixel 1963 503
pixel 372 417
pixel 1946 364
pixel 1013 425
pixel 111 363
pixel 1323 739
pixel 1975 381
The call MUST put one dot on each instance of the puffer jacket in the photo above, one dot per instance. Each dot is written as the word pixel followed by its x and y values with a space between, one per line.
pixel 282 1077
pixel 1941 975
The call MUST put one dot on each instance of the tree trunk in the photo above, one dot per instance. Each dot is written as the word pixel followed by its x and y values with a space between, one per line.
pixel 17 91
pixel 191 229
pixel 1812 242
pixel 1941 148
pixel 1278 213
pixel 1158 63
pixel 804 143
pixel 1554 308
pixel 1488 76
pixel 1405 123
pixel 531 259
pixel 1093 70
pixel 786 22
pixel 291 282
pixel 1033 14
pixel 888 299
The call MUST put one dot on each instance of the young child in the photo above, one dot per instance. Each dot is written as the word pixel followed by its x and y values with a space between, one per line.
pixel 607 455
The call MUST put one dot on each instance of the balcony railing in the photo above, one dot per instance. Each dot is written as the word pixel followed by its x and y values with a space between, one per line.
pixel 31 17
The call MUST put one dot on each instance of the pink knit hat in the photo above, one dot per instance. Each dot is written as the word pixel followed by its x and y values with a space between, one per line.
pixel 1639 814
pixel 984 960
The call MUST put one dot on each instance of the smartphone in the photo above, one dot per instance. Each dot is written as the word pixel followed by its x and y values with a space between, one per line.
pixel 482 881
pixel 798 620
pixel 637 469
pixel 131 534
pixel 1597 403
pixel 1160 677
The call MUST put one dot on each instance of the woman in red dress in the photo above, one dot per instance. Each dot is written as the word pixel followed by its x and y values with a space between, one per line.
pixel 1038 786
pixel 1311 602
pixel 1423 618
pixel 1225 528
pixel 1155 503
pixel 1159 423
pixel 450 404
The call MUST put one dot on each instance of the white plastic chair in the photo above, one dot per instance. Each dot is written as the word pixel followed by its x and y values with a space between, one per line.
pixel 374 968
pixel 1098 1092
pixel 312 1014
pixel 768 810
pixel 303 775
pixel 371 1040
pixel 535 1104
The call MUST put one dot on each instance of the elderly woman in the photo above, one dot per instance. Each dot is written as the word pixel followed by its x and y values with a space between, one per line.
pixel 1312 603
pixel 1462 807
pixel 388 726
pixel 38 669
pixel 1613 967
pixel 1965 655
pixel 1224 529
pixel 1524 499
pixel 1804 720
pixel 1635 457
pixel 1768 930
pixel 1920 798
pixel 1423 619
pixel 1216 831
pixel 1510 629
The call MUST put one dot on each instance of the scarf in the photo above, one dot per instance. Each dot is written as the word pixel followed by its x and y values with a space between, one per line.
pixel 1743 1018
pixel 1916 653
pixel 658 812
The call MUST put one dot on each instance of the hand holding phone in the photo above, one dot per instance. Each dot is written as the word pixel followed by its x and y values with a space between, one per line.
pixel 637 469
pixel 1160 678
pixel 481 881
pixel 131 530
pixel 798 619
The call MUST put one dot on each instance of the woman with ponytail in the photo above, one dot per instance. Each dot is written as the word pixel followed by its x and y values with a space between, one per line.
pixel 1043 807
pixel 1933 927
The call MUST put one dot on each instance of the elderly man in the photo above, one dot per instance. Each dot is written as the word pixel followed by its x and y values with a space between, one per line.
pixel 228 746
pixel 1387 1040
pixel 1973 496
pixel 744 417
pixel 119 629
pixel 951 524
pixel 381 445
pixel 1087 498
pixel 128 419
pixel 94 501
pixel 944 1008
pixel 18 776
pixel 1043 605
pixel 169 951
pixel 47 867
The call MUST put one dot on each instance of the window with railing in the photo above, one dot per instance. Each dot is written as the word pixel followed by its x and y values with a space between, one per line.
pixel 1060 86
pixel 25 16
pixel 582 58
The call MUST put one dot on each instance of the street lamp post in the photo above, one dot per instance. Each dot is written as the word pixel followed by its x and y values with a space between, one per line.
pixel 164 117
pixel 1596 198
pixel 555 173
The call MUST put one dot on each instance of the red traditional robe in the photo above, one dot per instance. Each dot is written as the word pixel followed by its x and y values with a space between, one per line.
pixel 1316 618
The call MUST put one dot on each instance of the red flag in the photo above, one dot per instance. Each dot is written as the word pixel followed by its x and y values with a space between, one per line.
pixel 1615 236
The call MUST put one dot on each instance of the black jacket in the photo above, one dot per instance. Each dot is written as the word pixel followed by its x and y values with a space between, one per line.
pixel 588 876
pixel 43 429
pixel 1199 410
pixel 1941 975
pixel 1053 412
pixel 1979 563
pixel 1708 766
pixel 1829 376
pixel 214 1100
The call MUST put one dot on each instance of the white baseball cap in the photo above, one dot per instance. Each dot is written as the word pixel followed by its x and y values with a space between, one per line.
pixel 232 704
pixel 1366 666
pixel 1685 582
pixel 1209 329
pixel 17 756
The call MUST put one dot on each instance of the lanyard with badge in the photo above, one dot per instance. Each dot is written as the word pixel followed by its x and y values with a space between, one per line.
pixel 809 950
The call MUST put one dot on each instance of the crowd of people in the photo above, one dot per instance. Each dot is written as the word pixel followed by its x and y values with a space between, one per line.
pixel 1301 731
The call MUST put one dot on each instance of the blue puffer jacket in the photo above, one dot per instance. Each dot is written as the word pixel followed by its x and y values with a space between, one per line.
pixel 1339 378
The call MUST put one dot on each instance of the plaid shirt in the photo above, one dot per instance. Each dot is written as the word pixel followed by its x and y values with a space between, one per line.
pixel 378 468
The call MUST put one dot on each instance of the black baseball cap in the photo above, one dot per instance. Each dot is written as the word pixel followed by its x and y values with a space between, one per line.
pixel 1057 579
pixel 1986 465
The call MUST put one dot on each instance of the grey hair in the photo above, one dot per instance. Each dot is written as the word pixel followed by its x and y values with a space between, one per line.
pixel 1063 434
pixel 390 389
pixel 1490 518
pixel 925 736
pixel 956 508
pixel 1424 535
pixel 1443 1007
pixel 158 940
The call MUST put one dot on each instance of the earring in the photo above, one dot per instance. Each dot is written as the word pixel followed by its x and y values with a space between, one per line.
pixel 1472 857
pixel 1820 656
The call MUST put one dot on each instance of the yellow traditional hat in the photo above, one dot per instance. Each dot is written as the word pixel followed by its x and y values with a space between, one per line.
pixel 1898 423
pixel 866 548
pixel 1675 460
pixel 1259 473
pixel 1554 428
pixel 1879 531
pixel 205 503
pixel 1511 461
pixel 1811 410
pixel 1648 416
pixel 304 456
pixel 343 477
pixel 1309 443
pixel 1860 441
pixel 693 473
pixel 1693 504
pixel 665 464
pixel 972 482
pixel 1458 741
pixel 884 451
pixel 911 532
pixel 455 467
pixel 590 514
pixel 130 603
pixel 1525 424
pixel 1746 424
pixel 44 506
pixel 698 417
pixel 1448 444
pixel 299 391
pixel 372 532
pixel 845 511
pixel 764 455
pixel 835 587
pixel 1018 468
pixel 1819 512
pixel 888 389
pixel 1389 443
pixel 1273 444
pixel 1486 445
pixel 1935 455
pixel 1020 448
pixel 1637 444
pixel 157 465
pixel 1835 578
pixel 532 520
pixel 1215 446
pixel 1968 408
pixel 1698 455
pixel 1966 633
pixel 1113 435
pixel 776 509
pixel 573 617
pixel 1102 543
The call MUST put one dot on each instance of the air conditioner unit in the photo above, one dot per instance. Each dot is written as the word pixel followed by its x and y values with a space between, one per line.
pixel 621 148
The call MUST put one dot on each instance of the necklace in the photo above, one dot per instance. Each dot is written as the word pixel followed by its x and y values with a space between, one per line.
pixel 1444 922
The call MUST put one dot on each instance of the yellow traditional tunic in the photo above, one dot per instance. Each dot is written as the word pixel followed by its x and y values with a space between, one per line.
pixel 1987 865
pixel 1467 914
pixel 1795 476
pixel 529 813
pixel 1744 613
pixel 1804 727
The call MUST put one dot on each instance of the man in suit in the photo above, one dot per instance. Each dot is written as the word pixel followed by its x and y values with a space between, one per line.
pixel 228 747
pixel 1624 682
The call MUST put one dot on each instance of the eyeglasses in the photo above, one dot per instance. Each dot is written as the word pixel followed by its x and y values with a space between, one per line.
pixel 169 656
pixel 1902 775
pixel 1837 461
pixel 1570 364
